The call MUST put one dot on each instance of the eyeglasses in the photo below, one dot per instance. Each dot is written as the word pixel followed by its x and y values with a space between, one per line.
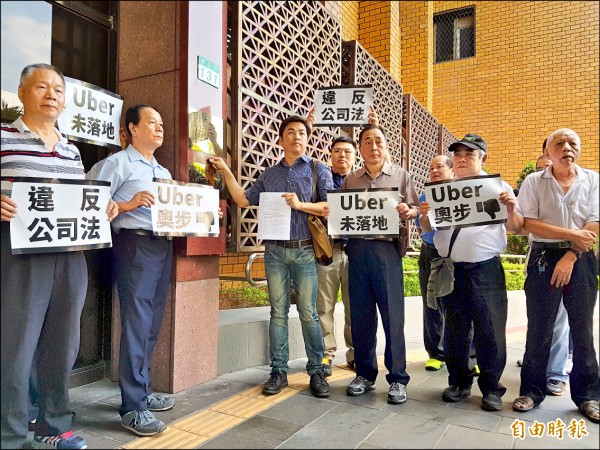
pixel 337 151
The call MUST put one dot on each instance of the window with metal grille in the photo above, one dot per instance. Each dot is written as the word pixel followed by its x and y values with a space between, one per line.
pixel 454 34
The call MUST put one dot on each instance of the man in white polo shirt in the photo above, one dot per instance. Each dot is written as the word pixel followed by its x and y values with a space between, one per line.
pixel 479 294
pixel 560 205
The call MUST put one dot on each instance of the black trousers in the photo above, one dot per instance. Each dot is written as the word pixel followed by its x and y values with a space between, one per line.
pixel 579 298
pixel 480 299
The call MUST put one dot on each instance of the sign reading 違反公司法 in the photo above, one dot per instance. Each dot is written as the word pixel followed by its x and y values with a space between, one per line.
pixel 59 215
pixel 343 106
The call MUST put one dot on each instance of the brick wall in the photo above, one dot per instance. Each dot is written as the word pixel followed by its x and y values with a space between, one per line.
pixel 417 50
pixel 378 33
pixel 234 265
pixel 535 70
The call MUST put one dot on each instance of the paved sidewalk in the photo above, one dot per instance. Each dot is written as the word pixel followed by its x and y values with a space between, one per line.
pixel 231 412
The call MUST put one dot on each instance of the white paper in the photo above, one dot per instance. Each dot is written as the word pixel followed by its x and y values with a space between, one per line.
pixel 274 217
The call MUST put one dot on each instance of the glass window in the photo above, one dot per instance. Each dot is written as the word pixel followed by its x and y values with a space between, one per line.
pixel 454 34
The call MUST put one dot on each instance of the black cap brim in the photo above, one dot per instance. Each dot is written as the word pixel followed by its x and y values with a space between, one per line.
pixel 472 146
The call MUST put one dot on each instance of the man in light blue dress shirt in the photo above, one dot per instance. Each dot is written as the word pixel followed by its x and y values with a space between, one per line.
pixel 142 266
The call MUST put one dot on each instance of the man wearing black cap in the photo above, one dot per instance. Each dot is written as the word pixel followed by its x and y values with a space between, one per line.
pixel 479 294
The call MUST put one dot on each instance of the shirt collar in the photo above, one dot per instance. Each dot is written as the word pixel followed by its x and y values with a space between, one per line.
pixel 20 125
pixel 385 169
pixel 304 158
pixel 548 172
pixel 134 155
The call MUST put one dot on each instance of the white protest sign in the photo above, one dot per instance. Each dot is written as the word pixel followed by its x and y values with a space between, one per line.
pixel 184 209
pixel 91 114
pixel 343 106
pixel 59 215
pixel 465 202
pixel 363 213
pixel 274 217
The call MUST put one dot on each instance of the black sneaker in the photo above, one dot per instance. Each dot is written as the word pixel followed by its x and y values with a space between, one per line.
pixel 327 369
pixel 318 385
pixel 455 393
pixel 274 384
pixel 491 402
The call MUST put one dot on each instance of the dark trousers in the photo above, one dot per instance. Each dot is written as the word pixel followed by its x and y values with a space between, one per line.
pixel 433 319
pixel 143 270
pixel 376 281
pixel 579 298
pixel 42 299
pixel 479 298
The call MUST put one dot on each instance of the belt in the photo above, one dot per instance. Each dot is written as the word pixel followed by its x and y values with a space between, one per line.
pixel 427 244
pixel 146 233
pixel 552 245
pixel 294 244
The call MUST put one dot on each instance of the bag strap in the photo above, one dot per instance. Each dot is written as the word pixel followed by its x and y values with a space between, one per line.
pixel 452 239
pixel 315 178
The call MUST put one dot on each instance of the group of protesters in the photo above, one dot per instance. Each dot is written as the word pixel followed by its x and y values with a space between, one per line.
pixel 557 207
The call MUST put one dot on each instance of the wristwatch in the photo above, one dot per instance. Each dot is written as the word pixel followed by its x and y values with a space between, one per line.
pixel 577 253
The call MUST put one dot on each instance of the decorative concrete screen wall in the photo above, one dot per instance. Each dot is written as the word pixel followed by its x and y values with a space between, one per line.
pixel 422 132
pixel 281 53
pixel 445 139
pixel 359 67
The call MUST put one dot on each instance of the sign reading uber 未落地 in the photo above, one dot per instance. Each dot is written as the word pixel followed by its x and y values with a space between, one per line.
pixel 91 114
pixel 369 213
pixel 464 202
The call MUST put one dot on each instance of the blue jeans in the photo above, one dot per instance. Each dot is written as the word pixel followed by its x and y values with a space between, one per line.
pixel 285 266
pixel 559 351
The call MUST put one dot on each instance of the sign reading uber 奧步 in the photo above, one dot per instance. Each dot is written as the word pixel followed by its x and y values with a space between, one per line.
pixel 369 213
pixel 465 202
pixel 92 114
pixel 184 209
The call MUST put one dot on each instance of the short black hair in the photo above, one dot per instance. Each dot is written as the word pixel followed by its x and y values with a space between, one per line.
pixel 291 119
pixel 370 127
pixel 345 139
pixel 544 145
pixel 133 115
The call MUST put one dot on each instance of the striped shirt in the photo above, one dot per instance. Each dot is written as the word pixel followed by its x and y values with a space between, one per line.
pixel 23 154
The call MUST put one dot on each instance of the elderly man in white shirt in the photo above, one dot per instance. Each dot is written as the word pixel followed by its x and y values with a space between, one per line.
pixel 560 206
pixel 479 294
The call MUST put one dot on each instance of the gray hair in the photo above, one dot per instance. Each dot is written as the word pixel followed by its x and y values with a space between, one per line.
pixel 561 130
pixel 447 160
pixel 28 70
